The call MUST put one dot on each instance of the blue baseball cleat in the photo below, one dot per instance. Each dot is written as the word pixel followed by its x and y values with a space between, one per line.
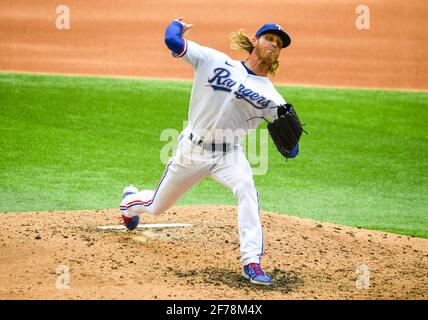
pixel 130 223
pixel 254 273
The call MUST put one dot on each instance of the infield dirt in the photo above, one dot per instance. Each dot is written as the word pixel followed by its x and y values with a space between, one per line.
pixel 126 38
pixel 307 259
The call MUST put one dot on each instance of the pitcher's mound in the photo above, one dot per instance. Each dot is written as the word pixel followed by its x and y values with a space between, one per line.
pixel 62 255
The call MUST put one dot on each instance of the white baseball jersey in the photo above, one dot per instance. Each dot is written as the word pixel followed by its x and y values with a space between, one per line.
pixel 227 99
pixel 225 96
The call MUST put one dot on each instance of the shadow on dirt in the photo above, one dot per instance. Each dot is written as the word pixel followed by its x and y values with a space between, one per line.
pixel 283 282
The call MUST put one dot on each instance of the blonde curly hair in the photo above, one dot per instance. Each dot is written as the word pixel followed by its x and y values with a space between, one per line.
pixel 241 42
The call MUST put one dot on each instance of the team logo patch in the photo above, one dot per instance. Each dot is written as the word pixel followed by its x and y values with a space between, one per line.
pixel 221 81
pixel 253 98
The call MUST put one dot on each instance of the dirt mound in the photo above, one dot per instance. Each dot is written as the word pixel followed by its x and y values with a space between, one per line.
pixel 307 259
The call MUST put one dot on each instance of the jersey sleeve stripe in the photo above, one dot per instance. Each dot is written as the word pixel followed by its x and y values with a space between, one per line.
pixel 183 51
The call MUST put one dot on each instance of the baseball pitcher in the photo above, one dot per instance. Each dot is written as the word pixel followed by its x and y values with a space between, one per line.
pixel 228 99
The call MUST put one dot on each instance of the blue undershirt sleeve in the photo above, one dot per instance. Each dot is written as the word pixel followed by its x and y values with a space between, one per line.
pixel 174 39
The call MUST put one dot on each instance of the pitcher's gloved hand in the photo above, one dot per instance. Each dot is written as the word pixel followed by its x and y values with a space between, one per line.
pixel 286 131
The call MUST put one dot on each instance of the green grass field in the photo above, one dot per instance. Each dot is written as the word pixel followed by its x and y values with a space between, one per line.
pixel 75 142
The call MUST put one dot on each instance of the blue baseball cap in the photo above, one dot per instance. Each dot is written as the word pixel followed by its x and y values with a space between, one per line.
pixel 277 29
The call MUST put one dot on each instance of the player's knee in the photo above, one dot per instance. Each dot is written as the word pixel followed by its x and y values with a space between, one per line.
pixel 243 187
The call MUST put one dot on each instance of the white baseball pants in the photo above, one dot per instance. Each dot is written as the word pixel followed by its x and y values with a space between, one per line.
pixel 190 164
